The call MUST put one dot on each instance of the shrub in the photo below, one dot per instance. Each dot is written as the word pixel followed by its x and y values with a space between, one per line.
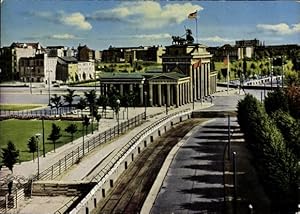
pixel 276 100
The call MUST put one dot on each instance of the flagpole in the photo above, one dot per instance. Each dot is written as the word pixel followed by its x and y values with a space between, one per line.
pixel 196 30
pixel 228 73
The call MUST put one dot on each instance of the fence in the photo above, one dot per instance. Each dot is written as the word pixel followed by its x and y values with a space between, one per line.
pixel 72 158
pixel 105 174
pixel 75 156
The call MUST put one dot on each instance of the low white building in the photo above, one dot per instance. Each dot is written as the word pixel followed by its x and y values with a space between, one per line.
pixel 86 70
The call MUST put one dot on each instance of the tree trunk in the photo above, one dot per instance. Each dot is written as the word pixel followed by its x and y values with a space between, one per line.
pixel 33 156
pixel 54 145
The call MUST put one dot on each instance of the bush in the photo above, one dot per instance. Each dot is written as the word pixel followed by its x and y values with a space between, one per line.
pixel 290 129
pixel 276 100
pixel 275 163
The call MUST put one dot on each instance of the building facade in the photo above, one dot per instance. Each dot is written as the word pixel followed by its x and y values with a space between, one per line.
pixel 10 56
pixel 185 77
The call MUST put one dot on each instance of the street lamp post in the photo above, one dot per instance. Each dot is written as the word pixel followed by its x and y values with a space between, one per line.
pixel 145 102
pixel 118 109
pixel 38 154
pixel 30 79
pixel 49 90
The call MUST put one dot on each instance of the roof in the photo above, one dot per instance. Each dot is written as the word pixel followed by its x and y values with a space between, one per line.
pixel 66 60
pixel 171 75
pixel 119 75
pixel 69 59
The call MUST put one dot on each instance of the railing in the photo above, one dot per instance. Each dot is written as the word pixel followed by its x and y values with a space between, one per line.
pixel 77 154
pixel 36 113
pixel 126 147
pixel 74 157
pixel 102 175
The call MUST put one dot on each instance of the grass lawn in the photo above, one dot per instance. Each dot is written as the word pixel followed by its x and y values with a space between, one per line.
pixel 19 131
pixel 18 107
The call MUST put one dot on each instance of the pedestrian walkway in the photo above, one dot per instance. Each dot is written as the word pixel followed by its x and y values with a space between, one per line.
pixel 101 156
pixel 29 168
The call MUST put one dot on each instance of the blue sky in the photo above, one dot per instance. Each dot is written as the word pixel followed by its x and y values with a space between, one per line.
pixel 100 24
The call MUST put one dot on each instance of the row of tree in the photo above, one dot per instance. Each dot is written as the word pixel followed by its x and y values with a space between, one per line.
pixel 273 136
pixel 91 101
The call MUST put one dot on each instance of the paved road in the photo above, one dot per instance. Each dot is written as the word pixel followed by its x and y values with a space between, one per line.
pixel 194 181
pixel 133 186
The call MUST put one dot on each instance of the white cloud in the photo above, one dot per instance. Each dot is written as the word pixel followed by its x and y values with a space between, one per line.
pixel 147 14
pixel 153 36
pixel 77 20
pixel 65 36
pixel 216 39
pixel 281 28
pixel 73 19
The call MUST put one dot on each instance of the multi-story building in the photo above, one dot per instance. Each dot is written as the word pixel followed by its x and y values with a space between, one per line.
pixel 40 68
pixel 131 54
pixel 246 48
pixel 85 53
pixel 55 51
pixel 10 56
pixel 69 69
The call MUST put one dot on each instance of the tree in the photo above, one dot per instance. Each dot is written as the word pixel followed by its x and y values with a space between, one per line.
pixel 81 104
pixel 125 101
pixel 10 155
pixel 104 102
pixel 90 99
pixel 32 142
pixel 56 102
pixel 54 135
pixel 71 129
pixel 276 100
pixel 69 98
pixel 293 96
pixel 290 129
pixel 86 123
pixel 98 118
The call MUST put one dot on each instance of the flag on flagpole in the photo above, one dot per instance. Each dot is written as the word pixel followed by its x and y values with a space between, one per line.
pixel 197 64
pixel 193 15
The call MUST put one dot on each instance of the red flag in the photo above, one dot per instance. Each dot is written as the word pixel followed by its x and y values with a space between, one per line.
pixel 197 64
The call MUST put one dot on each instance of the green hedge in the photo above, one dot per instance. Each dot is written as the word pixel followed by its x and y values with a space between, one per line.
pixel 275 163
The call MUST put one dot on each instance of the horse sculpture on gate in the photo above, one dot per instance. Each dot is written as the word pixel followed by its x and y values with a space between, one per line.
pixel 179 40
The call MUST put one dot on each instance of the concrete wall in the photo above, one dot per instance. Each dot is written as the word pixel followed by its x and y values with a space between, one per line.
pixel 100 190
pixel 55 188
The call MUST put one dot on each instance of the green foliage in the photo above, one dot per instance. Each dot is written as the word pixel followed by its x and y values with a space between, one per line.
pixel 71 129
pixel 293 96
pixel 290 129
pixel 275 161
pixel 68 98
pixel 10 155
pixel 276 100
pixel 104 102
pixel 55 101
pixel 32 145
pixel 90 99
pixel 86 123
pixel 54 135
pixel 81 104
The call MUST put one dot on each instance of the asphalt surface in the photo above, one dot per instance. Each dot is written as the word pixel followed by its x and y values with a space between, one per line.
pixel 194 181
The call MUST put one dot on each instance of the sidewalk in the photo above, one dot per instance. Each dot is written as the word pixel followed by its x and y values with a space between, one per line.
pixel 87 163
